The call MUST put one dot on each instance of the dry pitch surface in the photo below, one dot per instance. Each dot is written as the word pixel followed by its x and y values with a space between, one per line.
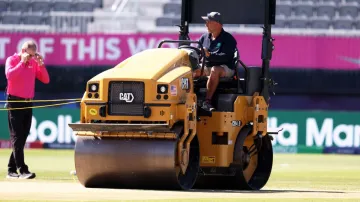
pixel 38 191
pixel 294 178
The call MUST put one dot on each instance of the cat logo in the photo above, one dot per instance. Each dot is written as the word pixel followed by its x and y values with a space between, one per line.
pixel 127 97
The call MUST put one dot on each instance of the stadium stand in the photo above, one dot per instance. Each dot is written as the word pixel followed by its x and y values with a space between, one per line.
pixel 91 16
pixel 317 14
pixel 46 15
pixel 322 17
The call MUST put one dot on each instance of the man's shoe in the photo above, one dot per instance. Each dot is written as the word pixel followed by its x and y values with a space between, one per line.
pixel 207 106
pixel 27 175
pixel 12 175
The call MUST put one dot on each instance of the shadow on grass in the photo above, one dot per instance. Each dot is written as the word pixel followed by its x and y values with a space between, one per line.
pixel 265 191
pixel 270 191
pixel 152 188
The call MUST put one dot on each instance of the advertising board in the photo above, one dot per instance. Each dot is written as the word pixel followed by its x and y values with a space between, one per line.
pixel 302 131
pixel 107 49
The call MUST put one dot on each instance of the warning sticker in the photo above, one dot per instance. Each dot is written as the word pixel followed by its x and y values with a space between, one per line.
pixel 173 90
pixel 208 159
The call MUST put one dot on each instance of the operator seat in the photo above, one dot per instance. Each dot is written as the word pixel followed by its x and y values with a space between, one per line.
pixel 236 65
pixel 232 82
pixel 228 84
pixel 247 84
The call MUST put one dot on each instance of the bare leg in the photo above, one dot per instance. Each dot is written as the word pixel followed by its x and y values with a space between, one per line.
pixel 196 73
pixel 213 81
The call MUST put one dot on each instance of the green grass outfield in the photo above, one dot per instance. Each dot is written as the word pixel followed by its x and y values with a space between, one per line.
pixel 290 172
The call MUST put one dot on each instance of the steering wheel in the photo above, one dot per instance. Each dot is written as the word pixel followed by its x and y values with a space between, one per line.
pixel 197 50
pixel 200 51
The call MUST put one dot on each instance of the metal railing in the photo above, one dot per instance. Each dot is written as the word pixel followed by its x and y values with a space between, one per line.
pixel 14 28
pixel 119 5
pixel 70 22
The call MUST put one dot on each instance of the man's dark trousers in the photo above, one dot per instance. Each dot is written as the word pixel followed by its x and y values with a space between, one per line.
pixel 19 121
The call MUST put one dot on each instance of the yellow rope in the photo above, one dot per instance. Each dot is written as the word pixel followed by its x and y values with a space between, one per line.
pixel 6 109
pixel 40 100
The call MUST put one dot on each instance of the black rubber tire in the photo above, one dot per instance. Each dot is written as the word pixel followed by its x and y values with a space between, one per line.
pixel 238 182
pixel 264 163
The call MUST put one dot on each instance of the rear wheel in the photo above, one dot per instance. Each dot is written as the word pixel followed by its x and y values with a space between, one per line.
pixel 251 167
pixel 254 158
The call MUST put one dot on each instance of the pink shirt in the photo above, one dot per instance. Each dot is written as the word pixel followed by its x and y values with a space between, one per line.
pixel 21 76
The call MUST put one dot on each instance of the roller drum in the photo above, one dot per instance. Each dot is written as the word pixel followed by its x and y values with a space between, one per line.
pixel 131 163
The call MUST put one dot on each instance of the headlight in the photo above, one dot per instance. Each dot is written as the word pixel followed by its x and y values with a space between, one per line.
pixel 162 89
pixel 93 87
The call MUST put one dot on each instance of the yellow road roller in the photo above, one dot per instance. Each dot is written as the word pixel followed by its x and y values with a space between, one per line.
pixel 141 127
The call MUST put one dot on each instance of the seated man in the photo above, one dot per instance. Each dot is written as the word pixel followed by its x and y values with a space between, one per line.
pixel 219 47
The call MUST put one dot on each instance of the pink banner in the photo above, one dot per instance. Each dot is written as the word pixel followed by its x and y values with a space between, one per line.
pixel 290 51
